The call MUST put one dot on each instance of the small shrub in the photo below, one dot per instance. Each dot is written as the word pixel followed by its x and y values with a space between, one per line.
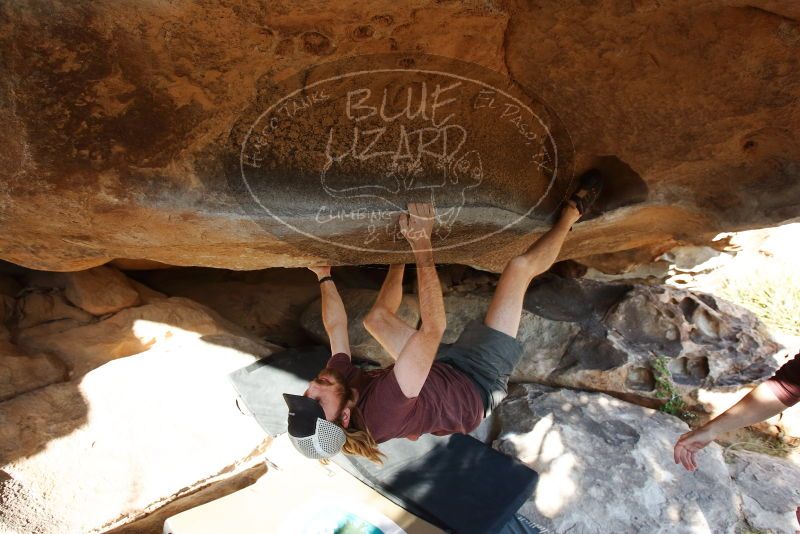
pixel 665 389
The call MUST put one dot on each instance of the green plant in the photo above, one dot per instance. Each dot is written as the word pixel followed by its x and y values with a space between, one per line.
pixel 665 389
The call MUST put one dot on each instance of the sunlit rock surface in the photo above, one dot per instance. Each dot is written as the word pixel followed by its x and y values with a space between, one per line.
pixel 769 489
pixel 21 371
pixel 106 417
pixel 606 466
pixel 131 434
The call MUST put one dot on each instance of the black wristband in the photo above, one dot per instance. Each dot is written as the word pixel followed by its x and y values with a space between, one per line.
pixel 324 278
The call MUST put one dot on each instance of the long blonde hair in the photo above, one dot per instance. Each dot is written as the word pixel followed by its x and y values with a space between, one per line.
pixel 359 440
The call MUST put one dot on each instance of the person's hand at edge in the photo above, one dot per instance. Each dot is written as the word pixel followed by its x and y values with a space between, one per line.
pixel 759 404
pixel 689 444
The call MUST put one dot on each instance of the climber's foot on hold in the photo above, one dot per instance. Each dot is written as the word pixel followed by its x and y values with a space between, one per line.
pixel 589 188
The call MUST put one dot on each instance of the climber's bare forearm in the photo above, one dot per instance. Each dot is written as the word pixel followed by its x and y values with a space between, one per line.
pixel 334 317
pixel 415 360
pixel 758 405
pixel 431 302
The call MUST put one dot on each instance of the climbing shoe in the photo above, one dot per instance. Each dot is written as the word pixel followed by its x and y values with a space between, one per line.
pixel 590 184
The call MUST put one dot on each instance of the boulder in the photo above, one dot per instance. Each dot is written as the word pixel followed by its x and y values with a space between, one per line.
pixel 9 288
pixel 52 280
pixel 35 308
pixel 267 304
pixel 128 332
pixel 20 372
pixel 609 337
pixel 128 437
pixel 123 129
pixel 100 290
pixel 147 295
pixel 357 303
pixel 9 285
pixel 769 490
pixel 606 466
pixel 47 329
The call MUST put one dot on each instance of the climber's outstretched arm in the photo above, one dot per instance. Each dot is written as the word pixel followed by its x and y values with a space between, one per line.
pixel 767 399
pixel 415 360
pixel 760 404
pixel 334 316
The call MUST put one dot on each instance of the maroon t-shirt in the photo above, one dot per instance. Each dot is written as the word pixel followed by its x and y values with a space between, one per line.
pixel 786 382
pixel 448 403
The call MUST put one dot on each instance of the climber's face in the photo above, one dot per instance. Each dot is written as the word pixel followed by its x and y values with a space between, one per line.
pixel 328 388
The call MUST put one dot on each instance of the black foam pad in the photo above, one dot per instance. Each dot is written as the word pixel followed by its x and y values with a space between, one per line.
pixel 454 482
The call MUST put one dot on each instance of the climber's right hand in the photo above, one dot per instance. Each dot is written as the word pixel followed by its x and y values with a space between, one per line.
pixel 321 272
pixel 689 444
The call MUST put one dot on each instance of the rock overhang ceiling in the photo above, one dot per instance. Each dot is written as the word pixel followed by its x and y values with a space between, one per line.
pixel 124 128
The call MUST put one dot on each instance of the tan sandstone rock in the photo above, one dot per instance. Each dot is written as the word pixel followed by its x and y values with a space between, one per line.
pixel 267 303
pixel 122 127
pixel 147 295
pixel 153 522
pixel 35 308
pixel 20 372
pixel 129 436
pixel 100 290
pixel 128 332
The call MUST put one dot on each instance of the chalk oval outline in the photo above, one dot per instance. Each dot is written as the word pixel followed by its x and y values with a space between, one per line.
pixel 405 70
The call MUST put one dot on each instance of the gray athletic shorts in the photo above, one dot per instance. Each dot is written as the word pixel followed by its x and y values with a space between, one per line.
pixel 487 356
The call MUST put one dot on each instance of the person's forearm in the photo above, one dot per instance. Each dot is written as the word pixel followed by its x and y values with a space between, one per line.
pixel 333 312
pixel 431 303
pixel 758 405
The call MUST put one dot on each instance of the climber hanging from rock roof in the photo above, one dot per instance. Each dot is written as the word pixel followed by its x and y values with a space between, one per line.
pixel 433 387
